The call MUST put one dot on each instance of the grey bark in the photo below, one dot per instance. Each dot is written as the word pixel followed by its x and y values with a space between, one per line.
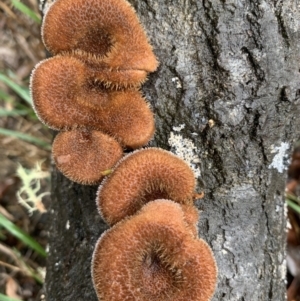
pixel 236 63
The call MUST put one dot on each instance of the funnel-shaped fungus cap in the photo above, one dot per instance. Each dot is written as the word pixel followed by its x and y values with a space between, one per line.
pixel 85 157
pixel 66 98
pixel 143 176
pixel 152 256
pixel 106 29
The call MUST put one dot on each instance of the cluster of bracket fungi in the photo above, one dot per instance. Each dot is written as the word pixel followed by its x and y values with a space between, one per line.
pixel 89 91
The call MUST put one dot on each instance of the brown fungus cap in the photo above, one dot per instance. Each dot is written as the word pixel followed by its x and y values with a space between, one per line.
pixel 143 176
pixel 85 157
pixel 105 30
pixel 152 256
pixel 191 216
pixel 113 78
pixel 64 98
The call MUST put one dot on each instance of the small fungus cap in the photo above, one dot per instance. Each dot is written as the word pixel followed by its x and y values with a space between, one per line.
pixel 143 176
pixel 85 157
pixel 65 98
pixel 106 29
pixel 155 258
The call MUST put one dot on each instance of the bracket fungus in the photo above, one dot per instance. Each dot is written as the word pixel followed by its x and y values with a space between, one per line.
pixel 65 98
pixel 155 258
pixel 143 176
pixel 89 91
pixel 85 156
pixel 108 34
pixel 191 216
pixel 101 57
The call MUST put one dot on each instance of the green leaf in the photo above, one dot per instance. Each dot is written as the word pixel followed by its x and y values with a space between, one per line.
pixel 25 137
pixel 26 10
pixel 21 91
pixel 6 298
pixel 20 234
pixel 293 206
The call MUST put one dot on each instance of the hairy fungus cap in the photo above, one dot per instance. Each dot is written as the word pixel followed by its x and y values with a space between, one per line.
pixel 106 31
pixel 143 176
pixel 85 156
pixel 191 216
pixel 113 79
pixel 154 258
pixel 65 98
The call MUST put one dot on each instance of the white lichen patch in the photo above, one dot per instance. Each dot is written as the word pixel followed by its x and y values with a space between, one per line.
pixel 278 160
pixel 186 150
pixel 282 269
pixel 179 128
pixel 29 195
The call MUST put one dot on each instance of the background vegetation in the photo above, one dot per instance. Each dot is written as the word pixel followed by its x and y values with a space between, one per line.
pixel 24 154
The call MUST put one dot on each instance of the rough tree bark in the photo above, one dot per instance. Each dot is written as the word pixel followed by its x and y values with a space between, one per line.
pixel 228 89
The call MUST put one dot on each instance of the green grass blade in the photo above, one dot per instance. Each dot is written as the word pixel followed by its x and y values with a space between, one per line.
pixel 293 206
pixel 20 234
pixel 21 91
pixel 5 112
pixel 25 137
pixel 26 10
pixel 4 96
pixel 34 274
pixel 6 298
pixel 293 198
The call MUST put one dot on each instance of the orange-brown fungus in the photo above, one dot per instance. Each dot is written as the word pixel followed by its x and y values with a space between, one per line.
pixel 152 256
pixel 105 32
pixel 143 176
pixel 114 79
pixel 66 98
pixel 191 217
pixel 85 156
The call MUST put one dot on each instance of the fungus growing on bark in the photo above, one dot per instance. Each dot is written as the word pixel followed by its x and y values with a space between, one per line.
pixel 143 176
pixel 85 156
pixel 155 258
pixel 66 97
pixel 191 216
pixel 106 34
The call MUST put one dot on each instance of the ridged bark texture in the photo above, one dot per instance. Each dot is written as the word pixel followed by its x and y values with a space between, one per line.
pixel 226 95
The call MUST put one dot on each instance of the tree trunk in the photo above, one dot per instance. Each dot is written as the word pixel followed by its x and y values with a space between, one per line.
pixel 227 92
